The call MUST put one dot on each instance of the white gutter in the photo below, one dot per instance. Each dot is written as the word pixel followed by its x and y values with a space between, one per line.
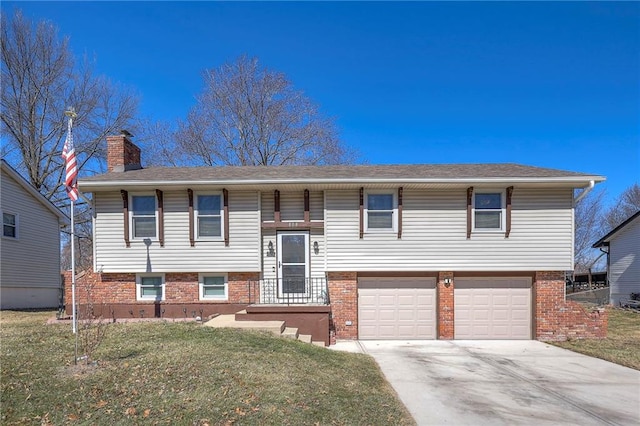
pixel 584 192
pixel 321 181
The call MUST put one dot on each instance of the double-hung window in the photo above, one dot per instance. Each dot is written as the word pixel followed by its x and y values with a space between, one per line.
pixel 209 216
pixel 9 225
pixel 488 211
pixel 143 216
pixel 150 287
pixel 381 211
pixel 213 287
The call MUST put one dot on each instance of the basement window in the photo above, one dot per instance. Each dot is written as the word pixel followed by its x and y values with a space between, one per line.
pixel 213 287
pixel 150 287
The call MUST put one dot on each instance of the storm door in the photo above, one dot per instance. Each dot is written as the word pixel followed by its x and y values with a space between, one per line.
pixel 293 263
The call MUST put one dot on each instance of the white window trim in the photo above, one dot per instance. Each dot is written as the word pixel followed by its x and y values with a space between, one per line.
pixel 132 227
pixel 394 214
pixel 139 288
pixel 201 286
pixel 196 214
pixel 503 212
pixel 17 225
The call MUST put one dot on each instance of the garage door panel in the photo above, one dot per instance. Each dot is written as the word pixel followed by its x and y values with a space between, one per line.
pixel 500 315
pixel 396 308
pixel 492 308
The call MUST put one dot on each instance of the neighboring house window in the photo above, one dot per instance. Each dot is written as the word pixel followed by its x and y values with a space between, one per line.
pixel 488 211
pixel 213 287
pixel 150 287
pixel 9 225
pixel 381 211
pixel 209 216
pixel 143 216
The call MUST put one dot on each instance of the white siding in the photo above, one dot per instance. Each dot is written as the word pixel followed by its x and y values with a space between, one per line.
pixel 292 206
pixel 30 265
pixel 624 267
pixel 434 234
pixel 242 254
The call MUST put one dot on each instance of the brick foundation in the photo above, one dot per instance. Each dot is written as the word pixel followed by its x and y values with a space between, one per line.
pixel 445 307
pixel 343 294
pixel 114 295
pixel 557 319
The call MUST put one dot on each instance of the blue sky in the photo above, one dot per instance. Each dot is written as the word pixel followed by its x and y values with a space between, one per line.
pixel 551 84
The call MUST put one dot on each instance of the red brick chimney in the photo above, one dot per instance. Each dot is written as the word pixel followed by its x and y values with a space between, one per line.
pixel 122 154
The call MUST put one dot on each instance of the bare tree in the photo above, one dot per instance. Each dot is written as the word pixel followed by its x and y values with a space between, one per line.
pixel 588 226
pixel 627 204
pixel 40 79
pixel 249 115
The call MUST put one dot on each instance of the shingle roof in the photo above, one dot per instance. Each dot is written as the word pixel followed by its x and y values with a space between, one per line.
pixel 335 173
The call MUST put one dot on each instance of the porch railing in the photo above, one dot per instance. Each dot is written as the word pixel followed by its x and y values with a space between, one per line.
pixel 289 291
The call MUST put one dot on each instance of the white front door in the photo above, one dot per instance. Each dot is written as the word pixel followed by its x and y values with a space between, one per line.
pixel 293 263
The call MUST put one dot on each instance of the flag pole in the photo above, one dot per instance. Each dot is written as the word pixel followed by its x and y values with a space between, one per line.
pixel 68 153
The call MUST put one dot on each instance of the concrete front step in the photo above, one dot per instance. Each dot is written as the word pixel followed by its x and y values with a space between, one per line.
pixel 305 338
pixel 276 327
pixel 229 321
pixel 317 343
pixel 290 333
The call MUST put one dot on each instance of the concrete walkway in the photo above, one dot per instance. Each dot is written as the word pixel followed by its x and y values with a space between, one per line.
pixel 504 383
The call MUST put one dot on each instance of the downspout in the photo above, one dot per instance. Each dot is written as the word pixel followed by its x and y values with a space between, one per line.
pixel 608 264
pixel 584 192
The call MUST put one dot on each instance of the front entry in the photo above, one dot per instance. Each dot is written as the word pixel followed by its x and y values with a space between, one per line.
pixel 293 264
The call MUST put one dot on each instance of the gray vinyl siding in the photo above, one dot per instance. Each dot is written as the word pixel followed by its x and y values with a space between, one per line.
pixel 624 267
pixel 434 234
pixel 242 254
pixel 30 265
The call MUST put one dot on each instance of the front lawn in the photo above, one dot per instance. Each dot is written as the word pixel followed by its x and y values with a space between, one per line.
pixel 622 344
pixel 185 374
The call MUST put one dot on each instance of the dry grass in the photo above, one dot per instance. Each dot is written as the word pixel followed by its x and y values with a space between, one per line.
pixel 622 344
pixel 185 374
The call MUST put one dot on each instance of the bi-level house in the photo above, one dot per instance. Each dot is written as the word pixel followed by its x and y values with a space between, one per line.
pixel 460 251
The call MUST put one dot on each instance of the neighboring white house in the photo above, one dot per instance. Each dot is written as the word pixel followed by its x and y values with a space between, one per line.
pixel 30 245
pixel 466 251
pixel 623 265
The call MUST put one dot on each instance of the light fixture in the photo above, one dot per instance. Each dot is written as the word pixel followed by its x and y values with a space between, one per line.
pixel 447 282
pixel 271 252
pixel 316 247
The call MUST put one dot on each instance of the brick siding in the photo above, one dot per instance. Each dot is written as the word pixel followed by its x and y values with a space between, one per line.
pixel 445 307
pixel 557 319
pixel 120 289
pixel 343 294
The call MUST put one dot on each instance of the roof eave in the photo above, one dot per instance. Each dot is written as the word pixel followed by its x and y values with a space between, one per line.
pixel 34 193
pixel 575 181
pixel 604 241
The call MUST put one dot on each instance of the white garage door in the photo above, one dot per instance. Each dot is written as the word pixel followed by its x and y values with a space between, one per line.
pixel 396 308
pixel 492 308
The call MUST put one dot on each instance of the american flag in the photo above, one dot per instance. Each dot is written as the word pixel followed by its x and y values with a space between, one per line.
pixel 69 155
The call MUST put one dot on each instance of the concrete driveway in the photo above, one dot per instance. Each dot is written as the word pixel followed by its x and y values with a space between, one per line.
pixel 506 383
